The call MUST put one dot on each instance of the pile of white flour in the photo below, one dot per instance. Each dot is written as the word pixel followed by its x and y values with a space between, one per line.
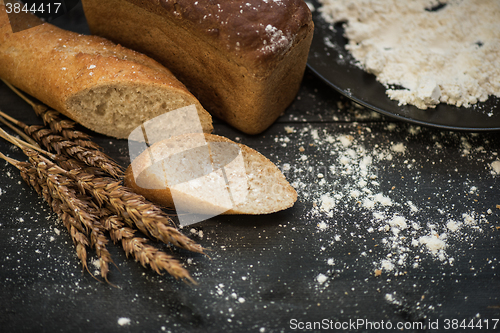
pixel 439 51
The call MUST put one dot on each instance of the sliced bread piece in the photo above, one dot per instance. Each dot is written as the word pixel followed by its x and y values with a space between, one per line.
pixel 211 175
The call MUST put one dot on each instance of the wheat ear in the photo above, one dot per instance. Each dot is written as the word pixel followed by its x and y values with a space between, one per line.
pixel 143 252
pixel 56 189
pixel 129 207
pixel 30 175
pixel 79 207
pixel 133 208
pixel 73 209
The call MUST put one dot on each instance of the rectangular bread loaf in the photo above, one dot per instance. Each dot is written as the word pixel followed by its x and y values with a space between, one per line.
pixel 243 59
pixel 101 85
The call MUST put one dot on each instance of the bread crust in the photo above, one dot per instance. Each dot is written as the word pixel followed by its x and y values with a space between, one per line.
pixel 59 67
pixel 257 31
pixel 243 62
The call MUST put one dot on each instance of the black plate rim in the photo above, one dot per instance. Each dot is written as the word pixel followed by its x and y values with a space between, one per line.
pixel 394 115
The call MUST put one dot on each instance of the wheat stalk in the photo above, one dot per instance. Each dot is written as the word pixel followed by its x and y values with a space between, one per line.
pixel 80 198
pixel 78 207
pixel 73 208
pixel 30 175
pixel 133 208
pixel 3 119
pixel 142 252
pixel 56 189
pixel 67 149
pixel 87 201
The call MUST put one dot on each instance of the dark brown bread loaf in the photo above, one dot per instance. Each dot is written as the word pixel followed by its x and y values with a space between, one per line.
pixel 243 59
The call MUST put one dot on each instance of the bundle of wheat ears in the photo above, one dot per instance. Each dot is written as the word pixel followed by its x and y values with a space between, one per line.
pixel 83 187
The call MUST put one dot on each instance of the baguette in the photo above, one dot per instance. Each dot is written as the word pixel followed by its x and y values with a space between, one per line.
pixel 243 59
pixel 241 181
pixel 104 87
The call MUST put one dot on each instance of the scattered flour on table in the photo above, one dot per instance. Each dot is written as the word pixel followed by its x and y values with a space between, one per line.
pixel 321 278
pixel 123 321
pixel 495 167
pixel 97 265
pixel 354 184
pixel 442 51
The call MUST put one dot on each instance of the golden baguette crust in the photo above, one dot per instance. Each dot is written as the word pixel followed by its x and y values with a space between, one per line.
pixel 268 189
pixel 102 86
pixel 244 60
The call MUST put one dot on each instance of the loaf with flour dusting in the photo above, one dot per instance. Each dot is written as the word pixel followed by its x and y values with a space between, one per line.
pixel 101 85
pixel 243 59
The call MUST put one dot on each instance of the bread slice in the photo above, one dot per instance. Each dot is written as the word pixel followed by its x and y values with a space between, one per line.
pixel 211 175
pixel 105 87
pixel 243 59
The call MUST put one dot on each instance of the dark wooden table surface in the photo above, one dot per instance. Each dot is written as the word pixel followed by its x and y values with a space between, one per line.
pixel 355 252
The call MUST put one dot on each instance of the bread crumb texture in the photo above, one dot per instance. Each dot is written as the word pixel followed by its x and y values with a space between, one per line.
pixel 216 176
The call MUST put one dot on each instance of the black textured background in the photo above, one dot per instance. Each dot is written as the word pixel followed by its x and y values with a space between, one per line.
pixel 43 289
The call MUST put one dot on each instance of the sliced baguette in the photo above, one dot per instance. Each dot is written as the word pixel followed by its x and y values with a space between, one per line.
pixel 104 87
pixel 255 184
